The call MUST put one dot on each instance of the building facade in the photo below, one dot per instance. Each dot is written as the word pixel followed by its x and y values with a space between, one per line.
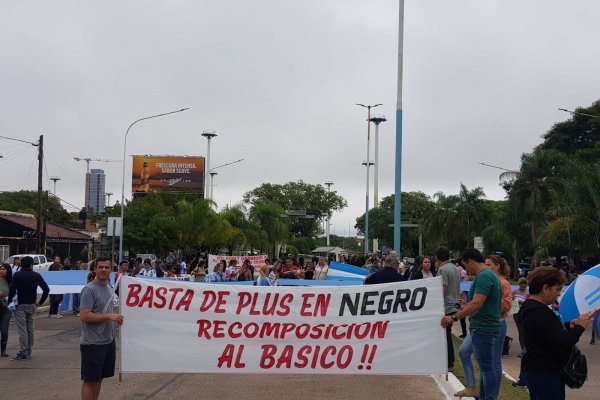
pixel 95 194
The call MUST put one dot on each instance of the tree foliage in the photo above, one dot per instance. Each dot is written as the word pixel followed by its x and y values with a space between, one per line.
pixel 314 199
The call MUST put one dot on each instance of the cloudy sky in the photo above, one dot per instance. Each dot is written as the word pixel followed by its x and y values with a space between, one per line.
pixel 278 81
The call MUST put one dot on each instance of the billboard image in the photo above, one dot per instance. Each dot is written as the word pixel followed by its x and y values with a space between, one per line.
pixel 167 174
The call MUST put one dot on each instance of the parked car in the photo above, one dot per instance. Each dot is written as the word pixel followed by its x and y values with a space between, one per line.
pixel 524 269
pixel 40 262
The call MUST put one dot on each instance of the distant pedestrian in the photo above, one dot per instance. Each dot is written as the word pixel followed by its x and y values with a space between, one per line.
pixel 55 299
pixel 5 312
pixel 79 266
pixel 16 267
pixel 451 284
pixel 97 343
pixel 24 284
pixel 389 272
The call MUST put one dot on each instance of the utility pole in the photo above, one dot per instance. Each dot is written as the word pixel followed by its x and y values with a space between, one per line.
pixel 38 236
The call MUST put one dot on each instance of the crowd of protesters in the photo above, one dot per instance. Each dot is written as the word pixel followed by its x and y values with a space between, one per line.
pixel 544 340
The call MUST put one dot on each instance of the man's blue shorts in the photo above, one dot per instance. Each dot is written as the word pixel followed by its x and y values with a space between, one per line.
pixel 97 361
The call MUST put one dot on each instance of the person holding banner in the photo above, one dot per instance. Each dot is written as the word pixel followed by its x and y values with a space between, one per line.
pixel 484 309
pixel 97 342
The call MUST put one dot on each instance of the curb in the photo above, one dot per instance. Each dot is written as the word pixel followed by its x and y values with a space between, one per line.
pixel 449 386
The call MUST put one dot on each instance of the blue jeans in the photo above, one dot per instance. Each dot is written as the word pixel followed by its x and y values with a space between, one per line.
pixel 484 346
pixel 75 302
pixel 465 352
pixel 498 350
pixel 544 385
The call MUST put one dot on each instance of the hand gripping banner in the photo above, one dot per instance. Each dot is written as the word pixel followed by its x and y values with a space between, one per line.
pixel 391 329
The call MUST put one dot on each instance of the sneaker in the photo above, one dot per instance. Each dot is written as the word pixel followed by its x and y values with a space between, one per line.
pixel 593 341
pixel 58 316
pixel 51 316
pixel 20 357
pixel 519 384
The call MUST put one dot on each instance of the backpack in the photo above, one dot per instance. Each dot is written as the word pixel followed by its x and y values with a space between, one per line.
pixel 574 373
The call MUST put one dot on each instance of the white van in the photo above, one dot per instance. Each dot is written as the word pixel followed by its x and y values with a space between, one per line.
pixel 40 262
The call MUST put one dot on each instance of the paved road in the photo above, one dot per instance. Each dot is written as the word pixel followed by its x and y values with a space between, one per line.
pixel 53 373
pixel 591 389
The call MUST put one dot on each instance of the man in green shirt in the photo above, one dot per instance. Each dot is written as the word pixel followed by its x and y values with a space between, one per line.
pixel 484 309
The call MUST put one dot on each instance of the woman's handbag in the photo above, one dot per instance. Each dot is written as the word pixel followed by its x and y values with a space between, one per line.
pixel 574 373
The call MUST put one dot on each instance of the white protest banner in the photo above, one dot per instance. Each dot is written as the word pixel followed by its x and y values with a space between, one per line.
pixel 256 261
pixel 392 328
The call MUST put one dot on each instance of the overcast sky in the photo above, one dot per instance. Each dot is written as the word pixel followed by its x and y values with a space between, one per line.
pixel 278 81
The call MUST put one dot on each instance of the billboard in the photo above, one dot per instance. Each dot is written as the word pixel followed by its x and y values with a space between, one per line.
pixel 167 174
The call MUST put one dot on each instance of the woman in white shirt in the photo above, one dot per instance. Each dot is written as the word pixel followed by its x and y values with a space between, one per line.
pixel 321 270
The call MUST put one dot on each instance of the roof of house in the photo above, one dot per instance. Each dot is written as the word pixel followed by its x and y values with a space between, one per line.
pixel 329 249
pixel 53 231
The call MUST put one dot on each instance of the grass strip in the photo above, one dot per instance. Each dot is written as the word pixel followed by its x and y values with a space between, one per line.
pixel 507 390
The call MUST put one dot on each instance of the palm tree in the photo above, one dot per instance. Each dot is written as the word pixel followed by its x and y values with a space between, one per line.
pixel 530 194
pixel 270 218
pixel 471 212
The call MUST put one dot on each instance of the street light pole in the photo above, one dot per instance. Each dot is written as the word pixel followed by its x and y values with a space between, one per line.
pixel 327 227
pixel 368 167
pixel 208 135
pixel 210 172
pixel 212 177
pixel 578 113
pixel 398 183
pixel 123 180
pixel 55 179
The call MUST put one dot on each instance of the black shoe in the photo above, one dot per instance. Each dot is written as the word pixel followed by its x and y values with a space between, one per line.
pixel 593 341
pixel 20 357
pixel 462 336
pixel 519 384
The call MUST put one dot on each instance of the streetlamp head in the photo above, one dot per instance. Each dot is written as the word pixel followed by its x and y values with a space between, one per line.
pixel 328 183
pixel 209 134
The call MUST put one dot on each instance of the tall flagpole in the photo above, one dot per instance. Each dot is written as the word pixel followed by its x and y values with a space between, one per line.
pixel 398 189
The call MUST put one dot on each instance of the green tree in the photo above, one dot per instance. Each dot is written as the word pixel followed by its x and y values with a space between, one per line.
pixel 25 201
pixel 193 224
pixel 314 199
pixel 268 216
pixel 416 206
